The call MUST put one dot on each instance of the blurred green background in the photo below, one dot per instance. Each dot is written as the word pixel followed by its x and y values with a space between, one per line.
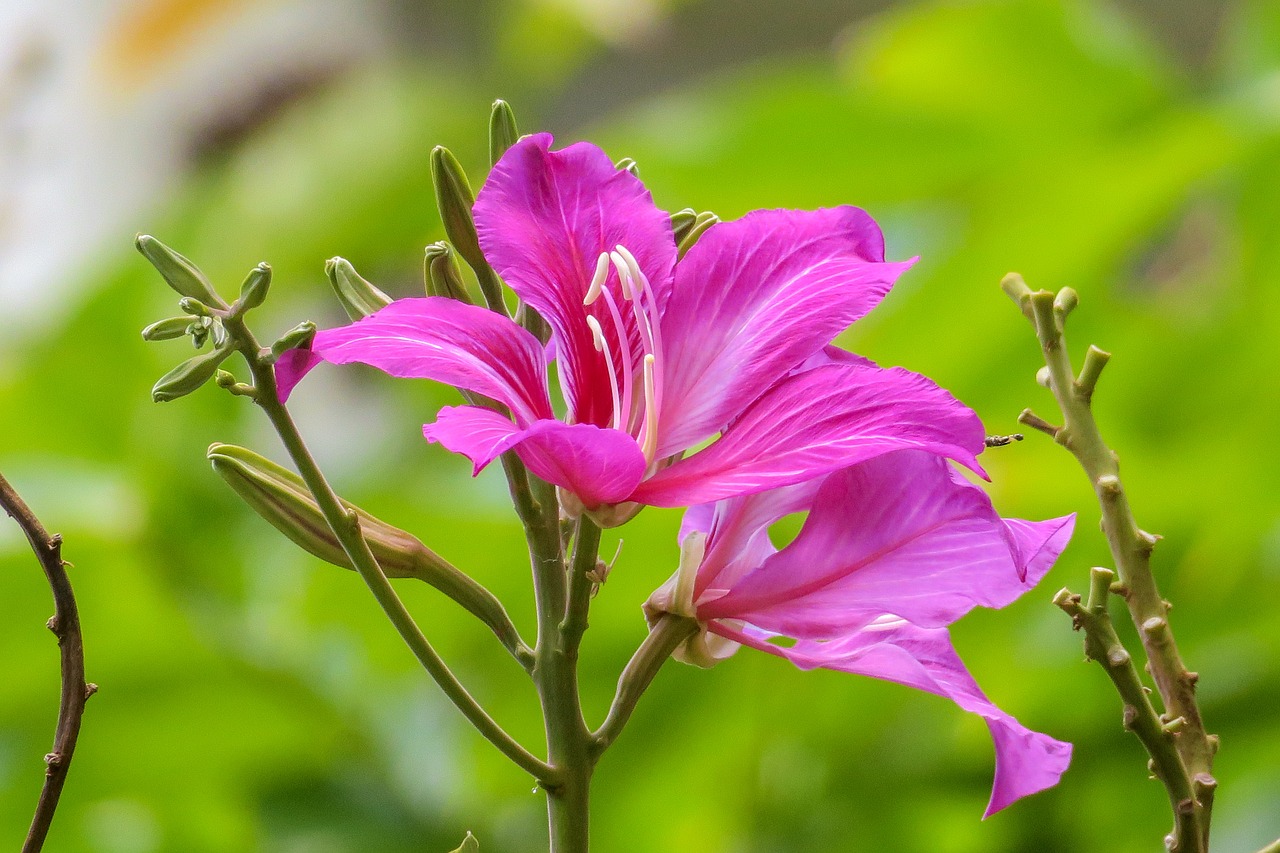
pixel 252 698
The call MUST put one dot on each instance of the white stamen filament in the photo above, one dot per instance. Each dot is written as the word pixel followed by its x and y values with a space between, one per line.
pixel 623 416
pixel 624 274
pixel 603 346
pixel 647 320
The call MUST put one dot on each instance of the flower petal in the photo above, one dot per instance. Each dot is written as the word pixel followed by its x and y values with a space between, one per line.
pixel 448 341
pixel 894 535
pixel 895 650
pixel 752 300
pixel 815 422
pixel 291 367
pixel 543 218
pixel 598 465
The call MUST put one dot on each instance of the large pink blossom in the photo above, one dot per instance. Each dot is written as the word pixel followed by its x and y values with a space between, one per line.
pixel 892 551
pixel 657 357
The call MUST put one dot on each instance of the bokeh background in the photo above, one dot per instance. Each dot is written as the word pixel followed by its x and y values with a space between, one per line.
pixel 252 698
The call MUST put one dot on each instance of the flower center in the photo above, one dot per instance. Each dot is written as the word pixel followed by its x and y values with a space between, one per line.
pixel 635 410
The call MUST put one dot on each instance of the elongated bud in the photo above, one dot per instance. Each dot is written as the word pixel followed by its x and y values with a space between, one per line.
pixel 502 130
pixel 701 223
pixel 469 845
pixel 179 272
pixel 682 221
pixel 188 376
pixel 358 297
pixel 253 292
pixel 444 277
pixel 299 336
pixel 626 164
pixel 194 307
pixel 282 499
pixel 166 330
pixel 455 199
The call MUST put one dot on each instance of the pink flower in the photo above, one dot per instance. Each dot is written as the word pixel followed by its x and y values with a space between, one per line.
pixel 656 357
pixel 894 549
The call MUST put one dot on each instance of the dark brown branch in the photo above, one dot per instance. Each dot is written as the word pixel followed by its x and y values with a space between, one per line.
pixel 65 624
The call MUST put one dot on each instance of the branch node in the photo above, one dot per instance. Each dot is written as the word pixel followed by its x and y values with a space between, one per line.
pixel 1094 360
pixel 1130 716
pixel 1120 589
pixel 1109 486
pixel 1031 419
pixel 1154 626
pixel 1119 656
pixel 89 690
pixel 1172 727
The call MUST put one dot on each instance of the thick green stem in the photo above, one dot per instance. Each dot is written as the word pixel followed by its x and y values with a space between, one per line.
pixel 345 526
pixel 556 673
pixel 665 637
pixel 1130 546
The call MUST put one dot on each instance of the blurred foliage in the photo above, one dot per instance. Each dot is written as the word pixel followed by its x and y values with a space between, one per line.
pixel 253 698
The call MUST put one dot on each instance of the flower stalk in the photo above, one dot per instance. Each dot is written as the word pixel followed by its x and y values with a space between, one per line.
pixel 1191 785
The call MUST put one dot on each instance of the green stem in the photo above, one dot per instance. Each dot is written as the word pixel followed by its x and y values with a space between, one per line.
pixel 1273 847
pixel 1103 645
pixel 664 638
pixel 345 526
pixel 568 738
pixel 1130 546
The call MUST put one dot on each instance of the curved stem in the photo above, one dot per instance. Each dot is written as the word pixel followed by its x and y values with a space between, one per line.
pixel 65 624
pixel 665 637
pixel 345 526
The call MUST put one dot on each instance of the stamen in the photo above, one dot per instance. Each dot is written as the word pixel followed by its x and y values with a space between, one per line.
pixel 623 417
pixel 603 346
pixel 649 432
pixel 624 275
pixel 597 280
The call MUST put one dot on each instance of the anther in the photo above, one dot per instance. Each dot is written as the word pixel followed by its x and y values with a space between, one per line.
pixel 597 280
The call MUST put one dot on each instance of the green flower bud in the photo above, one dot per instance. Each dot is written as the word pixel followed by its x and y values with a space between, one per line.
pixel 199 332
pixel 194 307
pixel 188 376
pixel 182 275
pixel 701 223
pixel 682 221
pixel 282 499
pixel 299 336
pixel 455 199
pixel 253 292
pixel 626 164
pixel 167 330
pixel 502 130
pixel 444 277
pixel 358 297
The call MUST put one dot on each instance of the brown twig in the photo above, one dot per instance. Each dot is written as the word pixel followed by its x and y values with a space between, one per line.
pixel 65 624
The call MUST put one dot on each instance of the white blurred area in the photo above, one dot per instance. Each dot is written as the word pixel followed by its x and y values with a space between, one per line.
pixel 103 102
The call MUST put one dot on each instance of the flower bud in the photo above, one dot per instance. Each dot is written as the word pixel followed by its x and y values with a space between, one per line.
pixel 253 292
pixel 701 223
pixel 682 221
pixel 188 376
pixel 167 330
pixel 182 275
pixel 282 499
pixel 194 307
pixel 455 199
pixel 358 297
pixel 502 130
pixel 444 278
pixel 297 337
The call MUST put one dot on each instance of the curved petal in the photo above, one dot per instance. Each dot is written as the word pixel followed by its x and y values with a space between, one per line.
pixel 1037 544
pixel 543 218
pixel 894 535
pixel 752 300
pixel 448 341
pixel 291 367
pixel 598 465
pixel 895 650
pixel 815 422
